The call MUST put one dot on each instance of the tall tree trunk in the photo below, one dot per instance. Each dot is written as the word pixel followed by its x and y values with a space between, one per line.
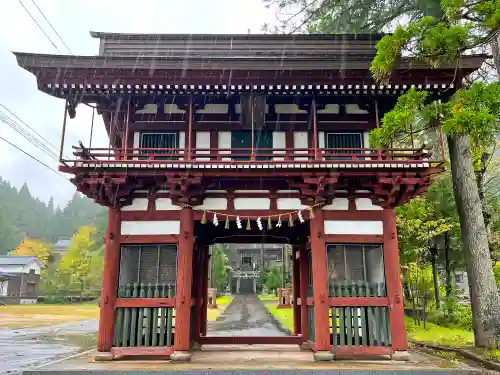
pixel 495 48
pixel 435 279
pixel 484 292
pixel 447 263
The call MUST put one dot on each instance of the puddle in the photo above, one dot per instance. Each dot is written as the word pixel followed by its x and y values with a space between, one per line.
pixel 24 348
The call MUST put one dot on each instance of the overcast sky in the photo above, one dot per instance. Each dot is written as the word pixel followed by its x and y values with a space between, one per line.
pixel 73 20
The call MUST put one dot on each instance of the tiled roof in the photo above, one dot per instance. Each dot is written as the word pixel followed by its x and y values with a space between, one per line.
pixel 15 260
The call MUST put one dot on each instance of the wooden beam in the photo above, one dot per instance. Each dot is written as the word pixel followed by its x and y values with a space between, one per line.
pixel 393 282
pixel 141 351
pixel 357 301
pixel 109 282
pixel 184 281
pixel 320 286
pixel 145 302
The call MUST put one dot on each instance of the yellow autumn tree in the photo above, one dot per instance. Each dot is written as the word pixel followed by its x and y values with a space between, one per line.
pixel 83 262
pixel 32 247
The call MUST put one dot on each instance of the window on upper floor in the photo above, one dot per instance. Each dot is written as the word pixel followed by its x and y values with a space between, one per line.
pixel 343 141
pixel 32 271
pixel 241 142
pixel 160 141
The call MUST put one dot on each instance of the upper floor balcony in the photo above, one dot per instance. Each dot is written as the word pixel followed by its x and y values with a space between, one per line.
pixel 248 158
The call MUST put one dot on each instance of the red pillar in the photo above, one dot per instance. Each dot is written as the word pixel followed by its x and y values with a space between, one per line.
pixel 296 294
pixel 393 282
pixel 304 280
pixel 109 286
pixel 184 281
pixel 320 286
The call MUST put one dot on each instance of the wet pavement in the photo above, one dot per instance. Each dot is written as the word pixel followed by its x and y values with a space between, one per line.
pixel 245 316
pixel 24 348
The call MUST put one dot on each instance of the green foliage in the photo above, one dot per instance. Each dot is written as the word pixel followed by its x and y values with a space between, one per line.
pixel 22 215
pixel 496 272
pixel 80 269
pixel 439 335
pixel 474 111
pixel 272 278
pixel 220 267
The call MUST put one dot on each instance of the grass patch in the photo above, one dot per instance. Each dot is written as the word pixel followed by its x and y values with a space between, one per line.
pixel 268 298
pixel 37 315
pixel 284 315
pixel 439 335
pixel 222 303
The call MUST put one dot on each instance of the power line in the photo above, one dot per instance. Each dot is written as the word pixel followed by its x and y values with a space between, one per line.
pixel 32 157
pixel 26 135
pixel 52 27
pixel 29 127
pixel 41 29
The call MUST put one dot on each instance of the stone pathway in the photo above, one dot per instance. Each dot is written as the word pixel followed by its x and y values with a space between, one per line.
pixel 245 316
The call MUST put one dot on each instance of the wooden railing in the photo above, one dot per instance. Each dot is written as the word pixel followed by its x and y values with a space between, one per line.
pixel 359 314
pixel 247 155
pixel 137 325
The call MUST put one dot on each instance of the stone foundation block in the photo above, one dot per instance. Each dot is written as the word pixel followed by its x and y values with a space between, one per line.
pixel 195 346
pixel 305 346
pixel 103 357
pixel 323 356
pixel 400 355
pixel 180 356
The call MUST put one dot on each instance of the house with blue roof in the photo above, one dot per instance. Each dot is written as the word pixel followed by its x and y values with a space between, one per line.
pixel 20 279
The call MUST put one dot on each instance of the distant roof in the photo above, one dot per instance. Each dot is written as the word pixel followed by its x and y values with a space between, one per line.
pixel 18 260
pixel 364 36
pixel 63 242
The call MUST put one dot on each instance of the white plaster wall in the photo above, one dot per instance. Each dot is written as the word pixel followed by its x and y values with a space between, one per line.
pixel 27 301
pixel 148 109
pixel 182 144
pixel 213 204
pixel 366 139
pixel 165 204
pixel 150 227
pixel 138 204
pixel 279 141
pixel 364 204
pixel 202 141
pixel 300 141
pixel 288 191
pixel 353 227
pixel 288 108
pixel 252 203
pixel 354 109
pixel 337 204
pixel 137 139
pixel 224 141
pixel 173 108
pixel 330 108
pixel 289 204
pixel 214 108
pixel 32 265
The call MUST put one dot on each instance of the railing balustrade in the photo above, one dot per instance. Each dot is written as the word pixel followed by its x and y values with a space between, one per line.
pixel 366 322
pixel 248 155
pixel 144 326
